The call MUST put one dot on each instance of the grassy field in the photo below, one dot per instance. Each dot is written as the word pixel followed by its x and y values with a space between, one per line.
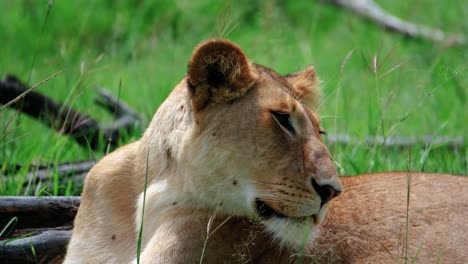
pixel 140 50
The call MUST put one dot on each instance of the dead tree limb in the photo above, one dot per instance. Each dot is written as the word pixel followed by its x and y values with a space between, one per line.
pixel 33 212
pixel 44 171
pixel 69 171
pixel 27 232
pixel 126 116
pixel 398 142
pixel 38 176
pixel 20 96
pixel 40 248
pixel 64 170
pixel 82 128
pixel 44 228
pixel 373 12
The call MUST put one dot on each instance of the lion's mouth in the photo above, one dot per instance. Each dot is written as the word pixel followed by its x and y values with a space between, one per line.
pixel 266 212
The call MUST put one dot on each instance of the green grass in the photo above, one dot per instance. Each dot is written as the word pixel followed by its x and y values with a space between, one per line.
pixel 145 46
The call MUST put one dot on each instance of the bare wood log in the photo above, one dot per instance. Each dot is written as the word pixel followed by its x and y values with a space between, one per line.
pixel 26 232
pixel 43 175
pixel 114 105
pixel 82 128
pixel 45 247
pixel 38 211
pixel 43 171
pixel 398 142
pixel 64 170
pixel 77 180
pixel 373 12
pixel 45 223
pixel 21 95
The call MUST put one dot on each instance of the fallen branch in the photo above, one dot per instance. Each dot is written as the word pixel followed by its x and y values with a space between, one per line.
pixel 37 212
pixel 398 142
pixel 64 170
pixel 39 172
pixel 25 92
pixel 43 175
pixel 45 247
pixel 42 229
pixel 28 232
pixel 82 128
pixel 373 12
pixel 125 115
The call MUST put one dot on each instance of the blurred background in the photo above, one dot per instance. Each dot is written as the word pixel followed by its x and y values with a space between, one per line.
pixel 376 83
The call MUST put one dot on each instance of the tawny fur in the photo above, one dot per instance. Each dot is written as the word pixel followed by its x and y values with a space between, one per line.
pixel 215 148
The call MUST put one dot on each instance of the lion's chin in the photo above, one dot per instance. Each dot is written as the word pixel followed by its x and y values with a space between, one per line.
pixel 292 232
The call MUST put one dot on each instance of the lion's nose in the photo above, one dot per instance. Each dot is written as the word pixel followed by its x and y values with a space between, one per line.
pixel 326 191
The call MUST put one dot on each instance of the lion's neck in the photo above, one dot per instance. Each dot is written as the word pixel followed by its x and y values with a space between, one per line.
pixel 211 238
pixel 166 135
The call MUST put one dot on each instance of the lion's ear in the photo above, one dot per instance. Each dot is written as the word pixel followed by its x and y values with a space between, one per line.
pixel 306 85
pixel 219 71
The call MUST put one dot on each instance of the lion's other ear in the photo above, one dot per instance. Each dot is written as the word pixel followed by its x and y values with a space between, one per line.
pixel 219 71
pixel 307 86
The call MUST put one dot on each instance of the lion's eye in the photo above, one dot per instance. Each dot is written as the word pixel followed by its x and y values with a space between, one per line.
pixel 321 132
pixel 283 120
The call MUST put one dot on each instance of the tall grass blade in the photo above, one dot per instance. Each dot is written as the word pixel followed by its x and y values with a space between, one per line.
pixel 12 222
pixel 33 61
pixel 210 222
pixel 417 254
pixel 140 234
pixel 19 97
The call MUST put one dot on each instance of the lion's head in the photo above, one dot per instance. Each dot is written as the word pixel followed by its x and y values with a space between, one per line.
pixel 254 147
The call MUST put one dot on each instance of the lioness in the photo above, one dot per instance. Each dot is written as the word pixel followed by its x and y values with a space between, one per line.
pixel 236 171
